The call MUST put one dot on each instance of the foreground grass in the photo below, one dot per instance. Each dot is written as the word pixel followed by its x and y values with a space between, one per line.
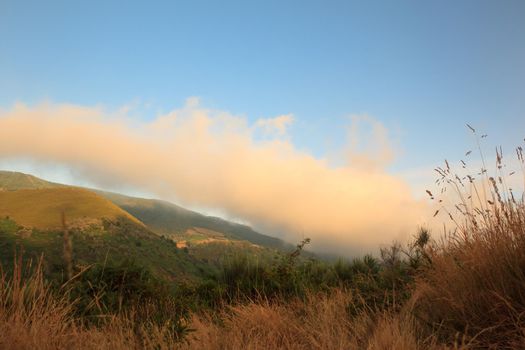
pixel 32 316
pixel 322 321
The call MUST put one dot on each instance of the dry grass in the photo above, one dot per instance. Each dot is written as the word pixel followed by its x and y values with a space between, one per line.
pixel 323 321
pixel 476 284
pixel 474 291
pixel 32 317
pixel 48 204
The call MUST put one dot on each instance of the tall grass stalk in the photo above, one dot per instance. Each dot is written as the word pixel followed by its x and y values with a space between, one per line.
pixel 475 287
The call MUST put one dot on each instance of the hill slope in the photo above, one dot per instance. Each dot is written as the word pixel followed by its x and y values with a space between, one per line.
pixel 42 208
pixel 12 180
pixel 116 242
pixel 174 221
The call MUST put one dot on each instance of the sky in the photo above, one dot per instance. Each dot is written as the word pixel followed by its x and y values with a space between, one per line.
pixel 375 87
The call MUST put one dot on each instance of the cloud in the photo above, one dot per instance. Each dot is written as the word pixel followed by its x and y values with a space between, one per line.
pixel 211 159
pixel 368 144
pixel 276 125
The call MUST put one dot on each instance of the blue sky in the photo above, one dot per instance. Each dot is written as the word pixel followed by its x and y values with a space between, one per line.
pixel 422 68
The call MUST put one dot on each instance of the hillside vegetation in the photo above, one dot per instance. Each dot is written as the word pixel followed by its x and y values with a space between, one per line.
pixel 42 208
pixel 171 220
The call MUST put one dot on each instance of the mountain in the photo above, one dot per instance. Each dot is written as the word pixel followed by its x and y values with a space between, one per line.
pixel 161 217
pixel 176 222
pixel 172 242
pixel 101 233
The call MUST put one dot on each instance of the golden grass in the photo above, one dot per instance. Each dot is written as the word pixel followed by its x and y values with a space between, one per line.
pixel 474 290
pixel 42 208
pixel 32 317
pixel 476 284
pixel 322 321
pixel 12 180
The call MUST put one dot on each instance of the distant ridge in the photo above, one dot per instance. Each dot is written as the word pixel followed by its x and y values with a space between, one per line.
pixel 168 219
pixel 162 217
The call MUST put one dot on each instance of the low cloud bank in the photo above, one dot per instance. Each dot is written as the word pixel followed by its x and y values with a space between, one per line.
pixel 214 159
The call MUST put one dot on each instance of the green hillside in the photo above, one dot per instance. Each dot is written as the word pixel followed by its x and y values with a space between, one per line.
pixel 174 221
pixel 115 242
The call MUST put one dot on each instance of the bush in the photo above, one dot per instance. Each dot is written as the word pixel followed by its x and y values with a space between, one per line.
pixel 128 289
